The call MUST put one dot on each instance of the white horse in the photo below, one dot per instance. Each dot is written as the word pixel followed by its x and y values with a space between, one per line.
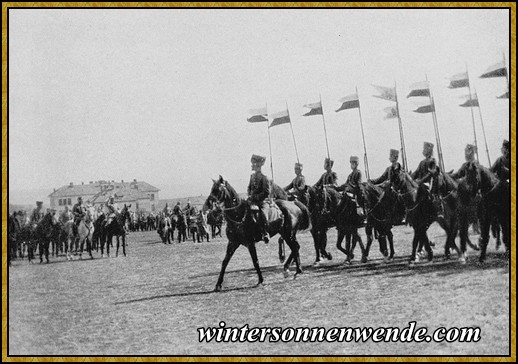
pixel 85 230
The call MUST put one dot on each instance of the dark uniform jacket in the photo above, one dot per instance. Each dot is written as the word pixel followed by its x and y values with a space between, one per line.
pixel 78 212
pixel 327 179
pixel 36 216
pixel 258 188
pixel 422 170
pixel 501 168
pixel 462 170
pixel 298 184
pixel 352 184
pixel 385 176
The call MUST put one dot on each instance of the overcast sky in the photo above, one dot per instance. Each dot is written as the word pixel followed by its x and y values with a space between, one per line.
pixel 162 95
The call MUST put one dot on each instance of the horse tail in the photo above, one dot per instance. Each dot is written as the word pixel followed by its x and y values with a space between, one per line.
pixel 304 220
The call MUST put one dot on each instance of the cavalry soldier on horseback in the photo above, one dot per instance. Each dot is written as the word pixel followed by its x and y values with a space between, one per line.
pixel 502 165
pixel 113 210
pixel 37 214
pixel 352 184
pixel 66 216
pixel 190 210
pixel 423 173
pixel 427 164
pixel 394 167
pixel 78 212
pixel 329 177
pixel 298 185
pixel 258 191
pixel 469 154
pixel 177 209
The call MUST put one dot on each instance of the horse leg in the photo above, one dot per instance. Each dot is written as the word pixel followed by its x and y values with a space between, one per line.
pixel 358 240
pixel 40 248
pixel 463 233
pixel 426 243
pixel 495 230
pixel 485 222
pixel 382 240
pixel 255 260
pixel 282 251
pixel 316 244
pixel 323 251
pixel 368 232
pixel 414 248
pixel 340 238
pixel 46 249
pixel 231 249
pixel 390 238
pixel 118 244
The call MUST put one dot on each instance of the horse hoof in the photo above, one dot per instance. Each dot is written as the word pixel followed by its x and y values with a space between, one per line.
pixel 217 289
pixel 259 284
pixel 286 273
pixel 364 260
pixel 462 260
pixel 316 264
pixel 411 264
pixel 329 256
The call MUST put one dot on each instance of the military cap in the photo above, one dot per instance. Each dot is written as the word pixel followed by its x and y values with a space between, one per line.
pixel 428 146
pixel 505 144
pixel 298 165
pixel 258 159
pixel 329 162
pixel 394 153
pixel 354 159
pixel 39 203
pixel 471 148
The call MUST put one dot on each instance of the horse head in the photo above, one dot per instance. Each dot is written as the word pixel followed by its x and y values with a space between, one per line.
pixel 220 193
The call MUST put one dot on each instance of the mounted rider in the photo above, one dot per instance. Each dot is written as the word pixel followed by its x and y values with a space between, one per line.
pixel 190 210
pixel 78 211
pixel 258 190
pixel 395 167
pixel 329 177
pixel 423 174
pixel 298 185
pixel 37 214
pixel 352 184
pixel 469 155
pixel 177 209
pixel 113 210
pixel 66 216
pixel 502 165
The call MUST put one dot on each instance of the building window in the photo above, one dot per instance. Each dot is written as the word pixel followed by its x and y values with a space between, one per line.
pixel 70 201
pixel 60 202
pixel 152 197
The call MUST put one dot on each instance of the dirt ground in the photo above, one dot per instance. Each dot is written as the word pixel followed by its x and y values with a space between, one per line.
pixel 152 301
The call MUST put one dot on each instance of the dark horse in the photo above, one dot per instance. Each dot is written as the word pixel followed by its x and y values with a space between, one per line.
pixel 420 212
pixel 381 208
pixel 492 205
pixel 117 228
pixel 329 208
pixel 46 231
pixel 242 230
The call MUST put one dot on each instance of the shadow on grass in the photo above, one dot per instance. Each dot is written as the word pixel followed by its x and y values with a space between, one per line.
pixel 186 294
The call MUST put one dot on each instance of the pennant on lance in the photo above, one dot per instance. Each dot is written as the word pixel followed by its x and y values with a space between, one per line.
pixel 496 70
pixel 504 96
pixel 470 101
pixel 315 109
pixel 419 89
pixel 257 115
pixel 391 112
pixel 459 80
pixel 282 117
pixel 386 93
pixel 349 102
pixel 425 109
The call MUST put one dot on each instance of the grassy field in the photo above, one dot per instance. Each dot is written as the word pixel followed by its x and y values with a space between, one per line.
pixel 152 301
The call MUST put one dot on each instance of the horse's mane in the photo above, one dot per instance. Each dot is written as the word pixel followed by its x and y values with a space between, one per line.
pixel 487 178
pixel 371 192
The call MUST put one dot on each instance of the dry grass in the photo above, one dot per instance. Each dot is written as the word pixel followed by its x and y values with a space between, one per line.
pixel 152 302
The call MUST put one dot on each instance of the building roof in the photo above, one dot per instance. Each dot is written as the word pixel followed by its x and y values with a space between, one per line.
pixel 98 187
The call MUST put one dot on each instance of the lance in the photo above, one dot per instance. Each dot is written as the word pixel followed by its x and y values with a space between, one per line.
pixel 324 123
pixel 436 127
pixel 483 129
pixel 401 136
pixel 365 160
pixel 292 134
pixel 269 140
pixel 472 116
